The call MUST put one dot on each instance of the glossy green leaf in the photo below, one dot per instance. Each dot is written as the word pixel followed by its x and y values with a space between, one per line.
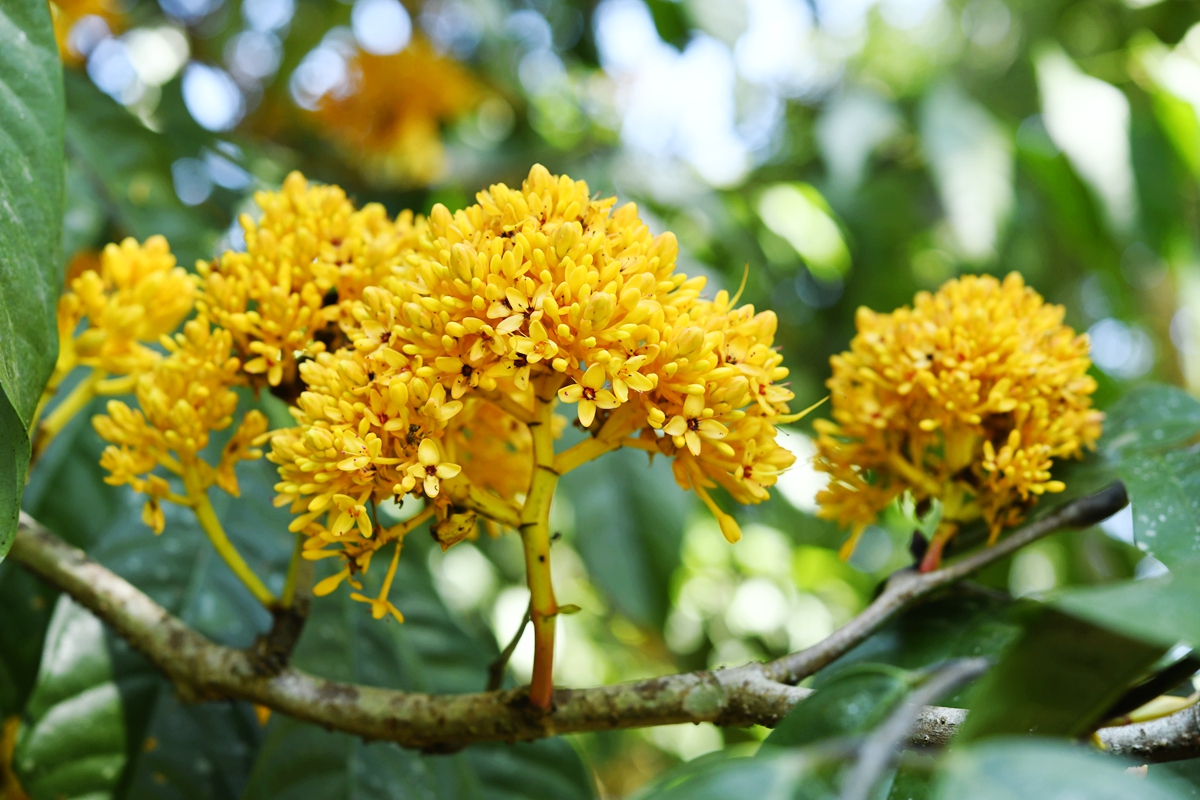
pixel 1056 679
pixel 629 522
pixel 27 604
pixel 1165 492
pixel 1006 770
pixel 962 622
pixel 1153 416
pixel 790 774
pixel 152 746
pixel 14 463
pixel 1185 773
pixel 31 186
pixel 853 702
pixel 910 784
pixel 1150 443
pixel 429 652
pixel 1161 610
pixel 73 743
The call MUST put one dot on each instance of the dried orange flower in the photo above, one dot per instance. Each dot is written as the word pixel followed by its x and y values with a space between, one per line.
pixel 968 397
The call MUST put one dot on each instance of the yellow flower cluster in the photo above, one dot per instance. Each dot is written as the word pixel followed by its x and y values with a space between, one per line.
pixel 129 297
pixel 310 251
pixel 423 357
pixel 137 295
pixel 968 397
pixel 181 400
pixel 390 120
pixel 493 310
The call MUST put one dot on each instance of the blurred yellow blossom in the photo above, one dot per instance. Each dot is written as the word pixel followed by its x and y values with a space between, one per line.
pixel 390 119
pixel 67 13
pixel 968 397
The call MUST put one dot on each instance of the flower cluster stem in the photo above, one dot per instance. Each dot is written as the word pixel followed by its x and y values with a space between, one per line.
pixel 65 411
pixel 535 533
pixel 207 517
pixel 288 597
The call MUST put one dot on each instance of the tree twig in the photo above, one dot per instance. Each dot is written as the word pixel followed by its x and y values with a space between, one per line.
pixel 496 668
pixel 879 749
pixel 741 696
pixel 908 585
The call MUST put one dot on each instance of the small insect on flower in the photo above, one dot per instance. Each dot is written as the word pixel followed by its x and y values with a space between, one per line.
pixel 968 397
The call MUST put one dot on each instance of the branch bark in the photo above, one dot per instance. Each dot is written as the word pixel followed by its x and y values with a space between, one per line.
pixel 752 694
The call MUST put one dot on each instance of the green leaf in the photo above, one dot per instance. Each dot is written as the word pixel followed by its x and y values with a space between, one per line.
pixel 1158 610
pixel 1185 773
pixel 1150 442
pixel 73 743
pixel 31 191
pixel 791 774
pixel 14 463
pixel 1005 770
pixel 27 603
pixel 962 622
pixel 910 784
pixel 1165 491
pixel 1153 416
pixel 1058 677
pixel 853 702
pixel 429 652
pixel 629 520
pixel 157 747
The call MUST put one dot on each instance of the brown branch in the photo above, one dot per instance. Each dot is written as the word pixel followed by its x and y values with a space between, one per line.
pixel 908 585
pixel 741 696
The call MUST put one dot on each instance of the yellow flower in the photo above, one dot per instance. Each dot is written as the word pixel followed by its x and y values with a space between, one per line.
pixel 389 121
pixel 694 425
pixel 181 400
pixel 590 395
pixel 430 469
pixel 968 397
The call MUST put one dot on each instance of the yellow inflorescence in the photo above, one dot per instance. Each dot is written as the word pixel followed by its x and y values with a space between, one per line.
pixel 137 295
pixel 419 354
pixel 968 397
pixel 181 400
pixel 496 308
pixel 391 118
pixel 310 251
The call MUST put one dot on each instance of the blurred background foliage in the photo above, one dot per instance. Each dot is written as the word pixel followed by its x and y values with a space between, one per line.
pixel 850 152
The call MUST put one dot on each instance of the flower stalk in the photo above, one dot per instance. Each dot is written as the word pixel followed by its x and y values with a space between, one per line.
pixel 207 517
pixel 535 533
pixel 65 411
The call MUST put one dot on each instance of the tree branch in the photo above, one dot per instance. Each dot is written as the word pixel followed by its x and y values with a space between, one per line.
pixel 747 695
pixel 908 585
